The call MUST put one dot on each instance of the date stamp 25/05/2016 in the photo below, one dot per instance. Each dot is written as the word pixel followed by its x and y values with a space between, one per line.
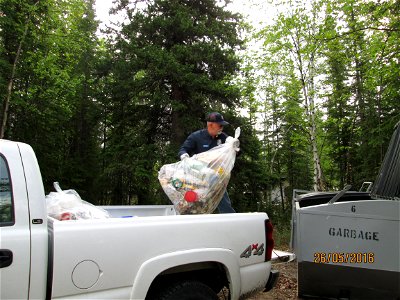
pixel 344 258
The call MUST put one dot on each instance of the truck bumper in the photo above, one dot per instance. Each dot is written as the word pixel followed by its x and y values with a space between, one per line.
pixel 272 279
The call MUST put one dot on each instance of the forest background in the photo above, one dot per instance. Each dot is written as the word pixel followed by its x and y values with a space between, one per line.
pixel 317 99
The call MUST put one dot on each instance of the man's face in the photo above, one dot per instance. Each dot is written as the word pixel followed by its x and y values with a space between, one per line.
pixel 214 128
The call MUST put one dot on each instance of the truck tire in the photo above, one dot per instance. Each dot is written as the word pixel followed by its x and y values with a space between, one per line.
pixel 187 290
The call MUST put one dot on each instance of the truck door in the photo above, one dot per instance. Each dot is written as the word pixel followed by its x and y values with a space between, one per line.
pixel 14 225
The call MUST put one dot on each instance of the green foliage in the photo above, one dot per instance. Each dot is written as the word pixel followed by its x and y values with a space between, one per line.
pixel 341 60
pixel 104 115
pixel 359 109
pixel 51 106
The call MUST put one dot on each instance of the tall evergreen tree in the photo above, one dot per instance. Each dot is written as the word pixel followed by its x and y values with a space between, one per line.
pixel 81 166
pixel 338 104
pixel 363 106
pixel 173 64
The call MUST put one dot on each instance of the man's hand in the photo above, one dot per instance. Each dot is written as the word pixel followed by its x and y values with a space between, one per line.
pixel 184 155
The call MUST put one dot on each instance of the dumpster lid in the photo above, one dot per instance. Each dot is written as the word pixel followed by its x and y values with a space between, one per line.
pixel 387 183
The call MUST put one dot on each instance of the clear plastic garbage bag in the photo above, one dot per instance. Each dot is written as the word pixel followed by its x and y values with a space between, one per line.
pixel 68 205
pixel 196 184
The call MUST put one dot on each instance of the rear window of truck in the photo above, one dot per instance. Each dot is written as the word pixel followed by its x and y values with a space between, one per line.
pixel 6 203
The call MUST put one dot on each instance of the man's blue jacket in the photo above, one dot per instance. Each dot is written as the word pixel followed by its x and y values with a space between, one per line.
pixel 200 141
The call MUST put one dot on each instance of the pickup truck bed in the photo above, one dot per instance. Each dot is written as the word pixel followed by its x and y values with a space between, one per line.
pixel 105 255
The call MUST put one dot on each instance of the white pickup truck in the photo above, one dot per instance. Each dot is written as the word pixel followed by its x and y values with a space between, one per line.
pixel 154 255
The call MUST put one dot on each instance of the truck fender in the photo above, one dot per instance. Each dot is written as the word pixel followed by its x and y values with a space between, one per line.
pixel 151 268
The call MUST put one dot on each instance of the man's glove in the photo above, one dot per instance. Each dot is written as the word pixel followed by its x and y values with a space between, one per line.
pixel 184 155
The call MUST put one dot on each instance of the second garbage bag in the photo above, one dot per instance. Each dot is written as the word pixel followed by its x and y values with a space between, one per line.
pixel 197 184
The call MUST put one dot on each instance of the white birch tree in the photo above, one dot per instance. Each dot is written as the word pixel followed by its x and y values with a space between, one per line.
pixel 293 40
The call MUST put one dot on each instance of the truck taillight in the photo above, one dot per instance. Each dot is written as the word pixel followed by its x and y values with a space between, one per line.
pixel 269 240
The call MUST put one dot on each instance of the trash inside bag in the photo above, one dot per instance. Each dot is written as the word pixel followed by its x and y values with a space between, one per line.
pixel 68 205
pixel 196 184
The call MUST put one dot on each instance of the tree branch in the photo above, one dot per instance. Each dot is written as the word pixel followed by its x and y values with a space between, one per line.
pixel 358 30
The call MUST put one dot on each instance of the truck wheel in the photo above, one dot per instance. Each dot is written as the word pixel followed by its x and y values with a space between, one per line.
pixel 188 290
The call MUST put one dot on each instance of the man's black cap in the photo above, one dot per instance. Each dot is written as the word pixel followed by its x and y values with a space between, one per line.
pixel 216 117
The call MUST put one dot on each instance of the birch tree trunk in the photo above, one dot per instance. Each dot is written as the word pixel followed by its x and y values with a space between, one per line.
pixel 6 103
pixel 319 183
pixel 307 74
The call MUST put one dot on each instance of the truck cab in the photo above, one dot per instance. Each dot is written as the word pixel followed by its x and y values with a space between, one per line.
pixel 23 227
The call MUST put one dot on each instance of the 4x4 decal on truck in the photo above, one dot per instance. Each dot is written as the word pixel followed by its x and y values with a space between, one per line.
pixel 258 250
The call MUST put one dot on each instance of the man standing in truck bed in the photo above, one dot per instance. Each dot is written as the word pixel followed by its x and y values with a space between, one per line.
pixel 206 139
